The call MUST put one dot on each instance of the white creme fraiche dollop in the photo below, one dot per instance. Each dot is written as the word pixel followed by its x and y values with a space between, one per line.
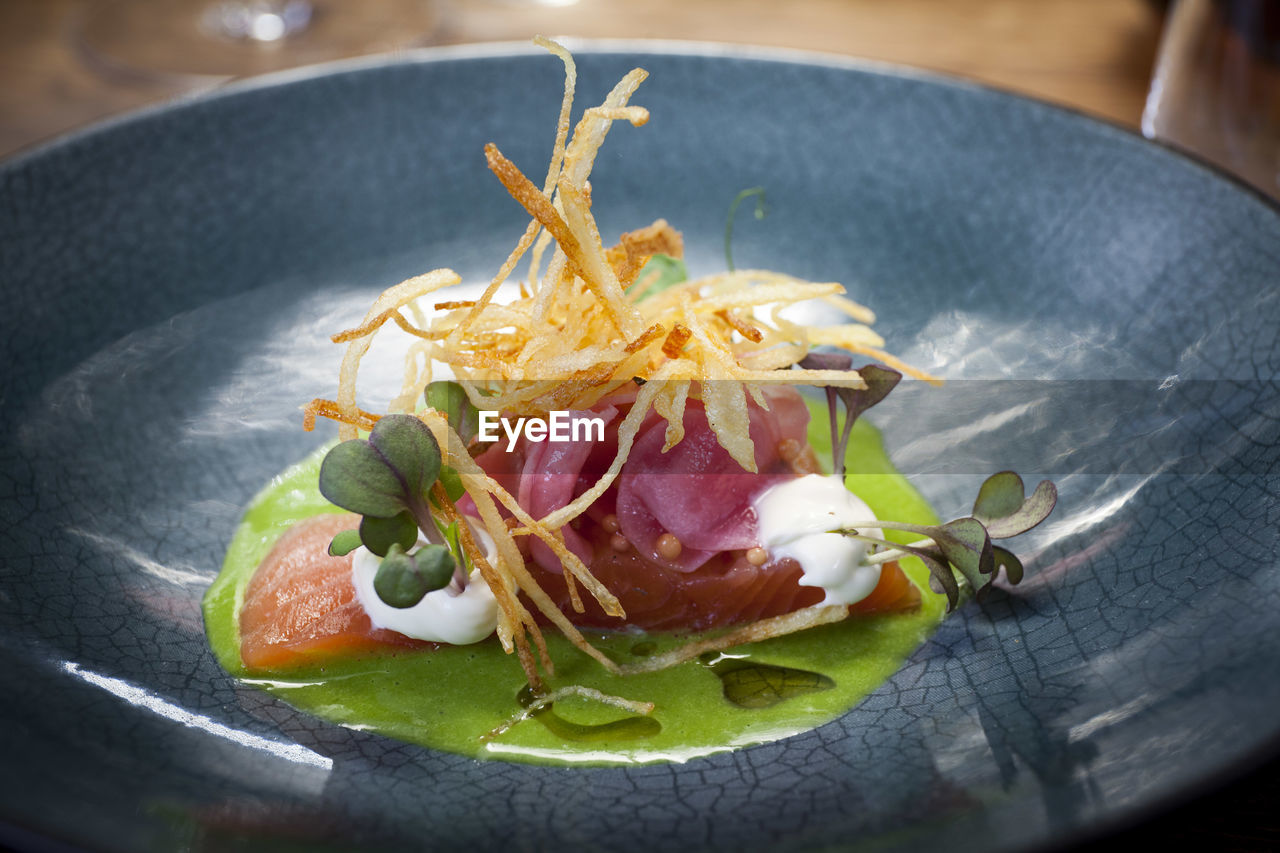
pixel 442 616
pixel 795 519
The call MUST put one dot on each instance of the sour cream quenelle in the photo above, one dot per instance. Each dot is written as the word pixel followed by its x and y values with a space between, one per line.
pixel 795 520
pixel 442 616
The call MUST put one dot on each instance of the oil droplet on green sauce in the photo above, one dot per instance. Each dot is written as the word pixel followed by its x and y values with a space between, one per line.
pixel 449 698
pixel 761 685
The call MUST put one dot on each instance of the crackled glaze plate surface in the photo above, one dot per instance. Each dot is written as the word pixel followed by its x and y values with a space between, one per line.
pixel 1107 312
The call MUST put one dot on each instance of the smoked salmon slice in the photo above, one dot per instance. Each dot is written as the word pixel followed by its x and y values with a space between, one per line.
pixel 725 590
pixel 301 607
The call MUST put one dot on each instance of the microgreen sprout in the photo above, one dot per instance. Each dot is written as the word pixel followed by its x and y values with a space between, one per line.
pixel 961 546
pixel 879 381
pixel 403 579
pixel 387 480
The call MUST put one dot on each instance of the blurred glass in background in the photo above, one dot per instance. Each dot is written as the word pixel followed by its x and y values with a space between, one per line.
pixel 1215 90
pixel 176 39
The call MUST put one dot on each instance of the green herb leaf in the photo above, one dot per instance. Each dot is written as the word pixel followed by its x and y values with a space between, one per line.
pixel 827 361
pixel 386 479
pixel 379 534
pixel 1011 564
pixel 356 477
pixel 941 578
pixel 1003 509
pixel 661 272
pixel 404 579
pixel 450 399
pixel 1000 495
pixel 452 482
pixel 966 545
pixel 344 543
pixel 963 546
pixel 880 381
pixel 454 539
pixel 385 475
pixel 411 452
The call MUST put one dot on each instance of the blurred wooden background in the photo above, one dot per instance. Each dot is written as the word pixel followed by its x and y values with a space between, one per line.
pixel 1094 55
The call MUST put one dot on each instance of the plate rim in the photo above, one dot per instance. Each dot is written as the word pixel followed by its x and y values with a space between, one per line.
pixel 581 45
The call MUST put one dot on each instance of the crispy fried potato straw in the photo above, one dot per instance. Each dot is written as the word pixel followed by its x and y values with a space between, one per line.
pixel 532 200
pixel 741 326
pixel 764 629
pixel 553 170
pixel 636 247
pixel 508 604
pixel 390 302
pixel 483 489
pixel 330 409
pixel 676 339
pixel 578 690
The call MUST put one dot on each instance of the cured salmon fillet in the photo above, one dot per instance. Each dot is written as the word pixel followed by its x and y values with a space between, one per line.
pixel 301 606
pixel 726 590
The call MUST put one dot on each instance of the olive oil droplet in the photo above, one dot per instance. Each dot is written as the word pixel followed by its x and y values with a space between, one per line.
pixel 762 685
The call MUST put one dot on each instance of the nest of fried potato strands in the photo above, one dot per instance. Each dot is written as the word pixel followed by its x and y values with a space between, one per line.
pixel 577 332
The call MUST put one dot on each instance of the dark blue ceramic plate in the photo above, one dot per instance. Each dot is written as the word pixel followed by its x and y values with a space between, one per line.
pixel 1108 310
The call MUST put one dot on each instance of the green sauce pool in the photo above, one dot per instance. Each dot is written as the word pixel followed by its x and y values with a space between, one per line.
pixel 452 697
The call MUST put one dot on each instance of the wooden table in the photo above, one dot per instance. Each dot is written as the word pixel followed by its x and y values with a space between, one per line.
pixel 1092 55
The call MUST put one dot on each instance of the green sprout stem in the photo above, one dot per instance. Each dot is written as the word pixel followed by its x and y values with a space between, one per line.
pixel 896 549
pixel 758 192
pixel 449 536
pixel 893 552
pixel 431 531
